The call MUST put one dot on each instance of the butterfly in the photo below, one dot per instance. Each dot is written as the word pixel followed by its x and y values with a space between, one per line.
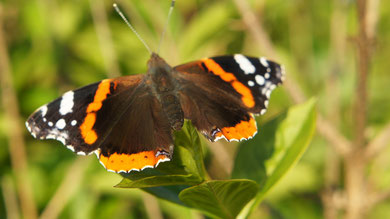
pixel 128 122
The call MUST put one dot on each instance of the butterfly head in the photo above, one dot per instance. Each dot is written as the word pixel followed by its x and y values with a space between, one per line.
pixel 157 67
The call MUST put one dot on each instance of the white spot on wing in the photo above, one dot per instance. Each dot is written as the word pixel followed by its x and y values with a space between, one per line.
pixel 61 139
pixel 147 166
pixel 264 62
pixel 162 160
pixel 283 72
pixel 97 152
pixel 102 163
pixel 61 124
pixel 81 153
pixel 268 93
pixel 220 137
pixel 50 136
pixel 73 123
pixel 244 64
pixel 50 124
pixel 28 127
pixel 43 110
pixel 67 103
pixel 251 83
pixel 260 80
pixel 70 147
pixel 267 75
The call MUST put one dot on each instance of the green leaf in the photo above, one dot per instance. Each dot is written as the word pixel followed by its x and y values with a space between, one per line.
pixel 292 139
pixel 293 136
pixel 189 138
pixel 154 181
pixel 224 198
pixel 169 193
pixel 251 155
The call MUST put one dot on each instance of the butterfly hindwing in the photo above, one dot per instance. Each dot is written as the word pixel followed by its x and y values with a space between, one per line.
pixel 221 94
pixel 141 136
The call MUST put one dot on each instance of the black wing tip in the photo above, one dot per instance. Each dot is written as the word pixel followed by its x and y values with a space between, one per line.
pixel 280 71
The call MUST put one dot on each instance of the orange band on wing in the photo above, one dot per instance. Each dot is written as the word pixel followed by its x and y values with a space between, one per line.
pixel 127 162
pixel 89 135
pixel 242 130
pixel 246 95
pixel 100 95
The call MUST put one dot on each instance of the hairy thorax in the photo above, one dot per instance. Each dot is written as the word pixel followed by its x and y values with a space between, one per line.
pixel 165 89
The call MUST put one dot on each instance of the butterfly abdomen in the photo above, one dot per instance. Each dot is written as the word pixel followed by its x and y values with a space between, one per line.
pixel 172 109
pixel 165 88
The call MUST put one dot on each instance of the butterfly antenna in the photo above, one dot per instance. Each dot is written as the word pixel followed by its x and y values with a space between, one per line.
pixel 166 25
pixel 131 27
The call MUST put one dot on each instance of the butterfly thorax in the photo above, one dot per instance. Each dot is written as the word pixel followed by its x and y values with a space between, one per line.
pixel 164 86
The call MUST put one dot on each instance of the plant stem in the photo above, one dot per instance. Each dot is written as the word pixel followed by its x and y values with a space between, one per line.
pixel 15 134
pixel 67 189
pixel 104 37
pixel 355 162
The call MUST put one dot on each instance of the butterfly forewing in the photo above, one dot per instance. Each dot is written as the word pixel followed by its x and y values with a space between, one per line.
pixel 62 118
pixel 114 118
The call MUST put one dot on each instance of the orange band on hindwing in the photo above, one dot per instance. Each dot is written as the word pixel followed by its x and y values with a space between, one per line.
pixel 127 162
pixel 246 94
pixel 242 130
pixel 89 135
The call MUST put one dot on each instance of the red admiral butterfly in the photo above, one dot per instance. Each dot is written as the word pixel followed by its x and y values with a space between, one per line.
pixel 128 121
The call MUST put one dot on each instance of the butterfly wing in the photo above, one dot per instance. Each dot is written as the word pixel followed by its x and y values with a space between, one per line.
pixel 221 94
pixel 118 119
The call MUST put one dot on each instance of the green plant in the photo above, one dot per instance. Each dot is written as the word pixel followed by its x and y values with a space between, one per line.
pixel 260 163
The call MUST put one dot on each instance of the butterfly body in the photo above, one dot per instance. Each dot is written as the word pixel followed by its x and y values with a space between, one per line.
pixel 166 88
pixel 128 121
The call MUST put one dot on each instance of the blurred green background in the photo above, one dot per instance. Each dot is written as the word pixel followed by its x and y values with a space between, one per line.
pixel 48 47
